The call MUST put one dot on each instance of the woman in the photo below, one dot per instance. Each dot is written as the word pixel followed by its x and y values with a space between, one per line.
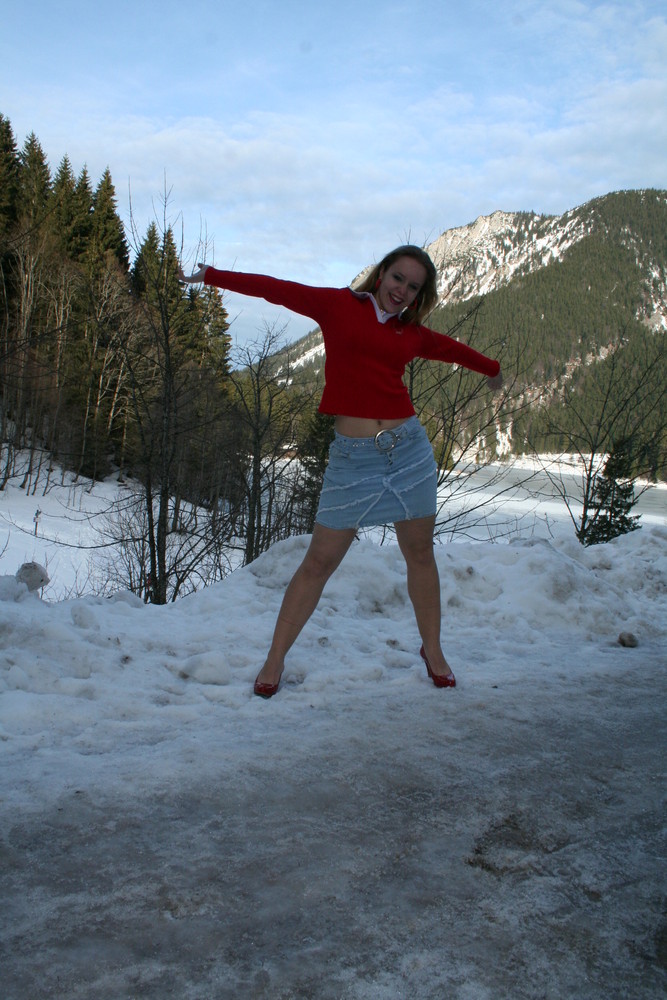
pixel 381 467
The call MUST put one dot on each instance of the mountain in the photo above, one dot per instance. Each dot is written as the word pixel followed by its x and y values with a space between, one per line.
pixel 492 251
pixel 496 250
pixel 552 297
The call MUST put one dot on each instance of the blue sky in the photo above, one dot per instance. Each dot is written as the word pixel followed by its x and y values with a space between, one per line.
pixel 305 139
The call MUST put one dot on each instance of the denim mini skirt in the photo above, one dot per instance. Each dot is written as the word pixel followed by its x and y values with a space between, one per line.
pixel 379 480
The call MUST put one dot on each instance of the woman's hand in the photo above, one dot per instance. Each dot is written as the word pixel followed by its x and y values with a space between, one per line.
pixel 495 382
pixel 191 279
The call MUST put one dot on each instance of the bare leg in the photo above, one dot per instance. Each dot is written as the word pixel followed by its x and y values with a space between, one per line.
pixel 325 553
pixel 415 539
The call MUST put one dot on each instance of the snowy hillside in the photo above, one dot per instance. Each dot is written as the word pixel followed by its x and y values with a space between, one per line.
pixel 362 836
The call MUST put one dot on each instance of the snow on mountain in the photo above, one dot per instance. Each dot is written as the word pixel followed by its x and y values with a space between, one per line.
pixel 478 258
pixel 311 354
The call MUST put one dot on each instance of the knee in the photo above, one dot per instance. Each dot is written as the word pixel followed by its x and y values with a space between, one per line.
pixel 420 556
pixel 318 566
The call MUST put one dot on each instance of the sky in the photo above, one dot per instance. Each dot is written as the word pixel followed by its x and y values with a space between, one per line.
pixel 307 139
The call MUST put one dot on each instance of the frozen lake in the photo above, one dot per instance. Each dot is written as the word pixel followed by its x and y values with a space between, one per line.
pixel 501 501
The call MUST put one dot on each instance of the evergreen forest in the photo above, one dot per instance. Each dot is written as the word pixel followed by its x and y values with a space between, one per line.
pixel 109 364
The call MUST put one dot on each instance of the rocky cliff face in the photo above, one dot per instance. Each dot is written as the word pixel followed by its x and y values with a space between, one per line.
pixel 478 258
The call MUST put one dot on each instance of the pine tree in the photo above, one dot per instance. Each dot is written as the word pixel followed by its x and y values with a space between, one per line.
pixel 610 507
pixel 146 264
pixel 204 337
pixel 313 452
pixel 34 183
pixel 108 235
pixel 63 205
pixel 82 222
pixel 154 278
pixel 9 179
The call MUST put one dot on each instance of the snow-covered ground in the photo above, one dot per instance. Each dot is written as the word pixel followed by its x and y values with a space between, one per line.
pixel 362 835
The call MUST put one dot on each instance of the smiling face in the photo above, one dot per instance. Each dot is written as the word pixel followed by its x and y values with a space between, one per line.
pixel 400 284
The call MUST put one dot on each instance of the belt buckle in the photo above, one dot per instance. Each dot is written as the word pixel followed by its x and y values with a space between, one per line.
pixel 385 448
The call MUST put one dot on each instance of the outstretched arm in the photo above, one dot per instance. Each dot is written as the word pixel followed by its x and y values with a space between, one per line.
pixel 304 299
pixel 441 347
pixel 196 277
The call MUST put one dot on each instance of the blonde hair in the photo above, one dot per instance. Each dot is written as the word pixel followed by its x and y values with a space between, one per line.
pixel 427 296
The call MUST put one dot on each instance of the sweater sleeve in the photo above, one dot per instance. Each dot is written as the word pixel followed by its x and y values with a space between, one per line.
pixel 440 347
pixel 303 299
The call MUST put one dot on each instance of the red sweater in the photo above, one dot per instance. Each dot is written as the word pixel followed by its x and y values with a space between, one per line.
pixel 365 359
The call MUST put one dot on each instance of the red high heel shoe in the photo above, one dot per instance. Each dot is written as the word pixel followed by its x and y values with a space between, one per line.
pixel 265 690
pixel 440 680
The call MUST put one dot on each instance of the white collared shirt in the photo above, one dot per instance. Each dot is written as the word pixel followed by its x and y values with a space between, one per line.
pixel 380 313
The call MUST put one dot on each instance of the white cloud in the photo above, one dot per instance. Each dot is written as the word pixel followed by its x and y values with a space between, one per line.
pixel 311 148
